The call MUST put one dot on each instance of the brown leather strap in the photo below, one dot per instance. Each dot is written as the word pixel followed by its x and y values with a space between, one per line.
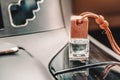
pixel 103 24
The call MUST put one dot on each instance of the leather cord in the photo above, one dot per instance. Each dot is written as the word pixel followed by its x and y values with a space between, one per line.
pixel 103 24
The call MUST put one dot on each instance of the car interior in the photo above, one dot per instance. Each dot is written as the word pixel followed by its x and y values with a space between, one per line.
pixel 36 44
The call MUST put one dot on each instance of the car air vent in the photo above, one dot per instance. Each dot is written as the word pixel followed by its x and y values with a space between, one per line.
pixel 23 12
pixel 20 17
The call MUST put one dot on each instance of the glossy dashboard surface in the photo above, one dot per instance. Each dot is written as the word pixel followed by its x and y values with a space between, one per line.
pixel 43 46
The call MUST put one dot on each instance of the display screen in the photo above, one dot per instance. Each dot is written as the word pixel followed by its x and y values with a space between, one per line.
pixel 1 18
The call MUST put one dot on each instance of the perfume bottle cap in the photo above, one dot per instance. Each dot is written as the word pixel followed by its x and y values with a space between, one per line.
pixel 79 29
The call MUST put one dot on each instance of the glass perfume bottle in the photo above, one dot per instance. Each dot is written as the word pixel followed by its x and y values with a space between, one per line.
pixel 79 50
pixel 79 45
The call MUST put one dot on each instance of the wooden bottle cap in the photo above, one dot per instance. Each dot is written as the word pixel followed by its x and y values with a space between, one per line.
pixel 79 30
